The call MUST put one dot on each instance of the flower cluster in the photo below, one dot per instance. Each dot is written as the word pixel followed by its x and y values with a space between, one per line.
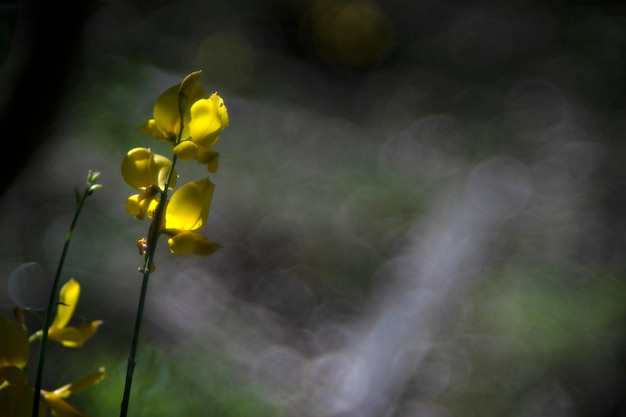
pixel 16 394
pixel 190 121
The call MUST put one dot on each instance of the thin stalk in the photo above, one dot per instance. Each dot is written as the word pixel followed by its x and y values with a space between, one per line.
pixel 153 236
pixel 51 300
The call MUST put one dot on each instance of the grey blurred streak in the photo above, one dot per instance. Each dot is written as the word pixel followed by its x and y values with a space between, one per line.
pixel 438 265
pixel 445 253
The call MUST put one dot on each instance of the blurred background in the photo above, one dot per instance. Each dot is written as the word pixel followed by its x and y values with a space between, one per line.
pixel 420 204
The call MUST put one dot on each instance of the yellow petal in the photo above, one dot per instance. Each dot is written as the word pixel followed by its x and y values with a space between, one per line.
pixel 135 168
pixel 152 208
pixel 80 384
pixel 138 205
pixel 184 243
pixel 17 401
pixel 150 127
pixel 188 209
pixel 141 169
pixel 59 407
pixel 210 158
pixel 74 336
pixel 189 92
pixel 165 112
pixel 14 346
pixel 133 205
pixel 194 92
pixel 174 101
pixel 68 298
pixel 212 165
pixel 208 118
pixel 186 150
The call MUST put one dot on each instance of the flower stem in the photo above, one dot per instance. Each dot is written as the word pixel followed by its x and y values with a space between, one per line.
pixel 153 236
pixel 53 291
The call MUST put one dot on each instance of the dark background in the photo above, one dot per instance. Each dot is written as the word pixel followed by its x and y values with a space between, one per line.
pixel 420 203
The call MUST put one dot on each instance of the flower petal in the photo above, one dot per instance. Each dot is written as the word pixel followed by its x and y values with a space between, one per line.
pixel 189 91
pixel 208 118
pixel 210 158
pixel 152 209
pixel 138 205
pixel 175 101
pixel 68 298
pixel 186 150
pixel 74 336
pixel 59 407
pixel 150 127
pixel 14 346
pixel 165 112
pixel 184 243
pixel 141 169
pixel 80 384
pixel 188 209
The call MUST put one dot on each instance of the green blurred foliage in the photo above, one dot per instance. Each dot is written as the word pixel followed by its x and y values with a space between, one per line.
pixel 171 382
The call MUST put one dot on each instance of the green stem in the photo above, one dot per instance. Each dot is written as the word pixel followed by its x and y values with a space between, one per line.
pixel 51 301
pixel 153 236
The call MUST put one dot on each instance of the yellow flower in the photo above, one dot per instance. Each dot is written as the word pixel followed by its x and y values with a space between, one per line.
pixel 59 331
pixel 145 171
pixel 203 119
pixel 55 400
pixel 186 212
pixel 16 395
pixel 209 117
pixel 170 105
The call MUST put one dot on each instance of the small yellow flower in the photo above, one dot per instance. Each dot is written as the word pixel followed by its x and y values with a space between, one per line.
pixel 170 105
pixel 186 212
pixel 203 119
pixel 209 117
pixel 16 395
pixel 59 331
pixel 145 171
pixel 55 400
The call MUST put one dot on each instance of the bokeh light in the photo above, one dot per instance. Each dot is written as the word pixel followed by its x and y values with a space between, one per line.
pixel 348 33
pixel 29 286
